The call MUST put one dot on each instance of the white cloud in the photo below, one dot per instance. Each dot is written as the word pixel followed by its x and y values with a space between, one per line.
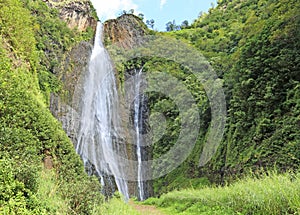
pixel 109 9
pixel 162 3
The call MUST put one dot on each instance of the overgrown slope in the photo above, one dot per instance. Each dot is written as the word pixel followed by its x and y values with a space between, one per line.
pixel 253 47
pixel 33 42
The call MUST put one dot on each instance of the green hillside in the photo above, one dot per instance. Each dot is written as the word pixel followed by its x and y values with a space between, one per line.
pixel 254 47
pixel 29 134
pixel 273 194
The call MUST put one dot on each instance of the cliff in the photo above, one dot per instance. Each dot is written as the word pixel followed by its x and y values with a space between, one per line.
pixel 77 14
pixel 65 106
pixel 125 31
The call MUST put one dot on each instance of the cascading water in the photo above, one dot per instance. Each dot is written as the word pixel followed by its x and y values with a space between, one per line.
pixel 138 126
pixel 139 111
pixel 99 133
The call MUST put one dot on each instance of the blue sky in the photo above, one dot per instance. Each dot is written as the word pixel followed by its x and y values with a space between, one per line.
pixel 162 11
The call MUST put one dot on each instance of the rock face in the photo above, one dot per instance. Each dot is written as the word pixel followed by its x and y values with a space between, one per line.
pixel 77 14
pixel 125 31
pixel 66 107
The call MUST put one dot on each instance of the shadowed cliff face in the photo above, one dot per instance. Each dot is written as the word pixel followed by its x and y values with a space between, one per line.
pixel 77 14
pixel 125 31
pixel 65 106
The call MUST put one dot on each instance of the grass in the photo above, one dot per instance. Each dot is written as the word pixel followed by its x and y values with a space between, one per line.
pixel 117 206
pixel 48 193
pixel 274 194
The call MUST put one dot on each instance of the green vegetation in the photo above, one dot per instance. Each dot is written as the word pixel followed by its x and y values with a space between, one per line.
pixel 253 46
pixel 117 206
pixel 53 42
pixel 33 43
pixel 274 194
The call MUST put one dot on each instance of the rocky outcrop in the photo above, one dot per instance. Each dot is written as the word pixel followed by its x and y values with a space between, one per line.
pixel 125 31
pixel 66 106
pixel 77 14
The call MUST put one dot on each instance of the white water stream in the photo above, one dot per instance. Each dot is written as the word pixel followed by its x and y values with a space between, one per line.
pixel 98 138
pixel 138 125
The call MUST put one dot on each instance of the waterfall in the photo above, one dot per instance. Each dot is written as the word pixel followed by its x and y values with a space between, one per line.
pixel 138 105
pixel 99 140
pixel 138 127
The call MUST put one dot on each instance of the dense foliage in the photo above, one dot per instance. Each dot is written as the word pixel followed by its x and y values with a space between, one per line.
pixel 33 41
pixel 253 47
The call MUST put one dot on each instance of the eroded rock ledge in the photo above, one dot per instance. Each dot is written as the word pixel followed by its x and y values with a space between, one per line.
pixel 78 14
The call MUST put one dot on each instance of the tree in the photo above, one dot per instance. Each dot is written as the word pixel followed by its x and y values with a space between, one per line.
pixel 171 26
pixel 150 23
pixel 141 16
pixel 184 24
pixel 131 11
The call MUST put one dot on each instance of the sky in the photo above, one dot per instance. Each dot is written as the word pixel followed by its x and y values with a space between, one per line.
pixel 161 11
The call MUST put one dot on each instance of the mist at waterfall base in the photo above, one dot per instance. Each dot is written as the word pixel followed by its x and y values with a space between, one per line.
pixel 100 143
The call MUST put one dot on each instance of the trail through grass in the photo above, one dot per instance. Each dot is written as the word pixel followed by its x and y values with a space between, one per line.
pixel 117 206
pixel 145 209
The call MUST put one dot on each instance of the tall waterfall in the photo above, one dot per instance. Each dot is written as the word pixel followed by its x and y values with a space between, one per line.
pixel 138 127
pixel 139 114
pixel 99 133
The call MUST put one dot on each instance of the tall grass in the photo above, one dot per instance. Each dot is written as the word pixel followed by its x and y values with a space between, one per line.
pixel 48 194
pixel 116 206
pixel 54 204
pixel 274 194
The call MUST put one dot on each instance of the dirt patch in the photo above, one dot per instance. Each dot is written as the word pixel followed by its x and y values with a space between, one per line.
pixel 146 209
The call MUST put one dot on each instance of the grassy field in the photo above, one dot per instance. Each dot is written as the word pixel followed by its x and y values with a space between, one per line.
pixel 274 194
